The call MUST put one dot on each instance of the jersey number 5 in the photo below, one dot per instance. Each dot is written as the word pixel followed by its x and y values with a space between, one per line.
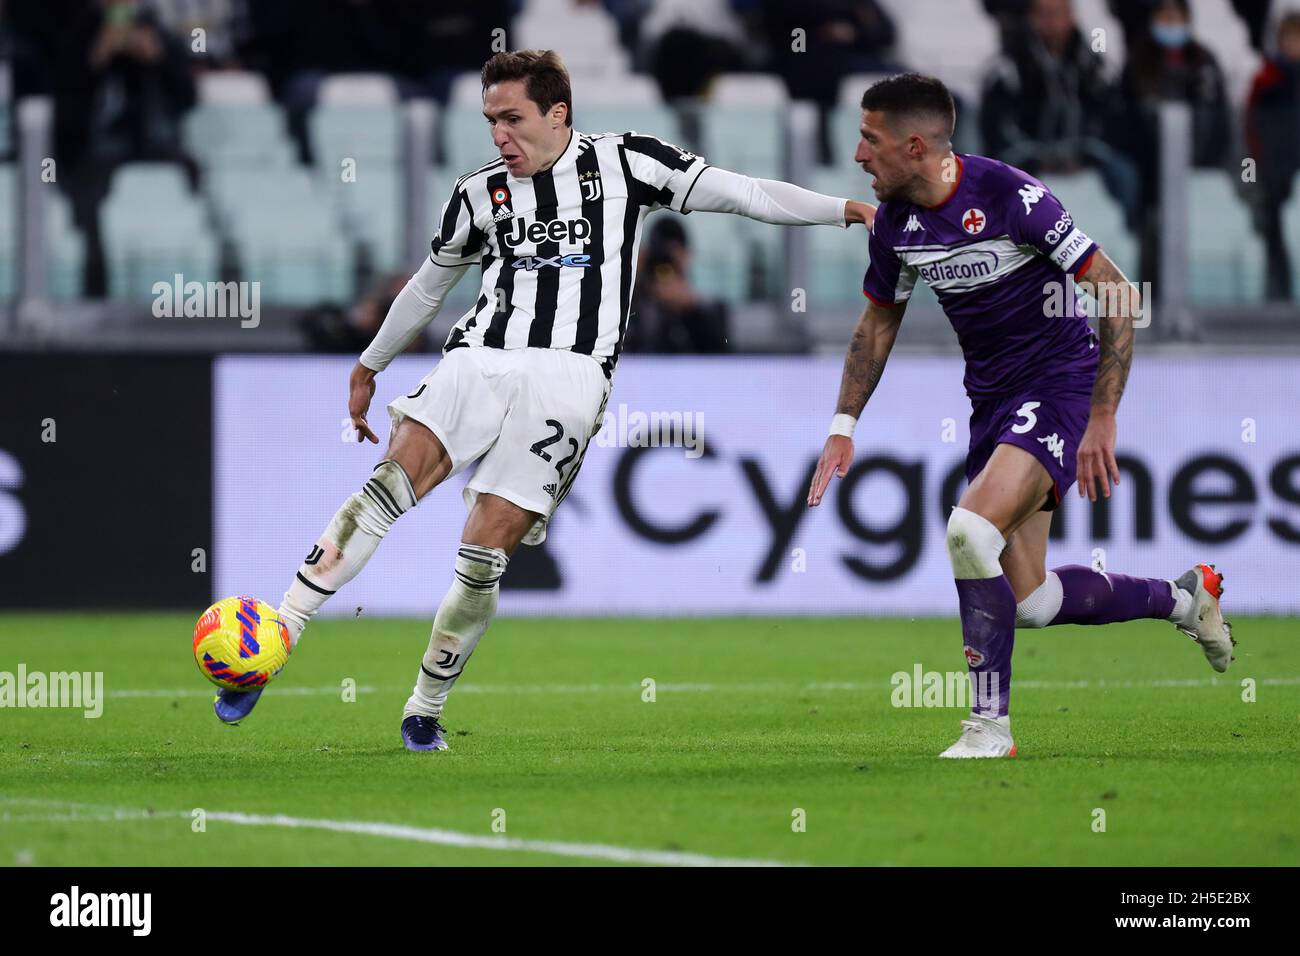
pixel 1026 412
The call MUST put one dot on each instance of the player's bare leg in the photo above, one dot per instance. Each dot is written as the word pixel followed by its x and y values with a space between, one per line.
pixel 1074 594
pixel 1006 494
pixel 494 529
pixel 416 461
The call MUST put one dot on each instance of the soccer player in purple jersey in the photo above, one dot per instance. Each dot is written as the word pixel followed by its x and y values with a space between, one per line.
pixel 996 246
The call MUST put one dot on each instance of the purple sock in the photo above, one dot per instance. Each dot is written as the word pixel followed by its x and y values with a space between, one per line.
pixel 988 627
pixel 1090 597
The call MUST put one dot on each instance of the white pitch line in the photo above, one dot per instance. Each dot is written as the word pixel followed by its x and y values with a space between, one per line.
pixel 583 851
pixel 738 688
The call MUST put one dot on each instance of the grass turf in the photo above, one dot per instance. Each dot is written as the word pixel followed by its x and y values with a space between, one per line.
pixel 752 719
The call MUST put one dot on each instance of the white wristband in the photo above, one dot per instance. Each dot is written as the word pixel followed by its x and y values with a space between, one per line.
pixel 843 424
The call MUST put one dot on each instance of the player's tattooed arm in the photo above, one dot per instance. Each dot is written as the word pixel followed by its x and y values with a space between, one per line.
pixel 863 365
pixel 1118 305
pixel 869 348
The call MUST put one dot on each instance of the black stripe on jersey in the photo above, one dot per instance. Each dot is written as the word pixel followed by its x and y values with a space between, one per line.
pixel 659 151
pixel 448 228
pixel 691 187
pixel 456 338
pixel 548 280
pixel 495 335
pixel 593 210
pixel 460 183
pixel 631 218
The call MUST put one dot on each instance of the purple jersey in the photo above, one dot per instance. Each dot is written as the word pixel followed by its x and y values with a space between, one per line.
pixel 996 253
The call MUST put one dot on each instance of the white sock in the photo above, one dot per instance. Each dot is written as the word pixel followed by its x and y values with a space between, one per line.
pixel 462 618
pixel 1183 602
pixel 350 539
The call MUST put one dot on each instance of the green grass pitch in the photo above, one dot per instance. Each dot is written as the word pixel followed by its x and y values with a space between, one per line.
pixel 753 720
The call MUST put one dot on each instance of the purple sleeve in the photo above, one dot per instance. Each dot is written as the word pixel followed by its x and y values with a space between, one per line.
pixel 888 281
pixel 1042 222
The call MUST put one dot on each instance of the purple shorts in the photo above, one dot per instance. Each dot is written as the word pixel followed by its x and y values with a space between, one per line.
pixel 1048 424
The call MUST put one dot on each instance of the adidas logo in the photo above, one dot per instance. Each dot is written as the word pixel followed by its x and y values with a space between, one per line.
pixel 501 214
pixel 913 225
pixel 549 489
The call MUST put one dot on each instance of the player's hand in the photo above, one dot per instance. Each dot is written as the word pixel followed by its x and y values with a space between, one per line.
pixel 361 389
pixel 835 460
pixel 862 212
pixel 1096 460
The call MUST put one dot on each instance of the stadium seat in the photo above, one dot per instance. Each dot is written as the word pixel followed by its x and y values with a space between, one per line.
pixel 953 39
pixel 1084 195
pixel 1226 255
pixel 225 135
pixel 466 138
pixel 742 125
pixel 836 259
pixel 357 89
pixel 232 88
pixel 355 132
pixel 586 36
pixel 153 228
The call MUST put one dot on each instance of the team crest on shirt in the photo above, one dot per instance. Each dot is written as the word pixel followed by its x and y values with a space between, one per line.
pixel 974 221
pixel 590 183
pixel 973 657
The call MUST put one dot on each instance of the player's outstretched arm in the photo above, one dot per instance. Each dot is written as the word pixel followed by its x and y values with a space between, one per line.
pixel 869 349
pixel 414 308
pixel 1118 304
pixel 768 200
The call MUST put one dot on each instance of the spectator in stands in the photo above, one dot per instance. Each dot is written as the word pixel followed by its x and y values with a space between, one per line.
pixel 840 38
pixel 330 328
pixel 686 43
pixel 121 85
pixel 670 316
pixel 1167 65
pixel 1273 141
pixel 1048 106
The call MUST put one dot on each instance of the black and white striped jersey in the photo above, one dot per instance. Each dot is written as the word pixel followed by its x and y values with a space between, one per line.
pixel 558 250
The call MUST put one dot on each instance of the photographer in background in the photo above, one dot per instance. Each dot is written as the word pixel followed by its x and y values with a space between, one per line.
pixel 671 317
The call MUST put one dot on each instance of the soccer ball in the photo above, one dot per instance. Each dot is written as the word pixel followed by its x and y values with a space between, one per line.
pixel 241 643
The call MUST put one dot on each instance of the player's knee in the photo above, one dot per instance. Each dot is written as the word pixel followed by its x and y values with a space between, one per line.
pixel 480 568
pixel 974 545
pixel 1041 605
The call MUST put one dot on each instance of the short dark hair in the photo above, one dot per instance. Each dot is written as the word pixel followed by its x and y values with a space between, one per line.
pixel 912 94
pixel 546 80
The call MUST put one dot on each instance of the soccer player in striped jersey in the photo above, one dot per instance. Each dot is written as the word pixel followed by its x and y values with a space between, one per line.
pixel 553 224
pixel 996 247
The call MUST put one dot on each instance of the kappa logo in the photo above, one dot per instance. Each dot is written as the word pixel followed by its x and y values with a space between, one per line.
pixel 973 657
pixel 974 221
pixel 1030 195
pixel 1055 446
pixel 913 224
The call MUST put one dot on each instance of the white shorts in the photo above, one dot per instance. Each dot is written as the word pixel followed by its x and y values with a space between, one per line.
pixel 527 413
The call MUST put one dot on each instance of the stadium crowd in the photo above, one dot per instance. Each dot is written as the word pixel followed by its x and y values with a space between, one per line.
pixel 1051 99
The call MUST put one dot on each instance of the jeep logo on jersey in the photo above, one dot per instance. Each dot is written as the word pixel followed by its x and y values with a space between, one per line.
pixel 571 232
pixel 541 262
pixel 974 221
